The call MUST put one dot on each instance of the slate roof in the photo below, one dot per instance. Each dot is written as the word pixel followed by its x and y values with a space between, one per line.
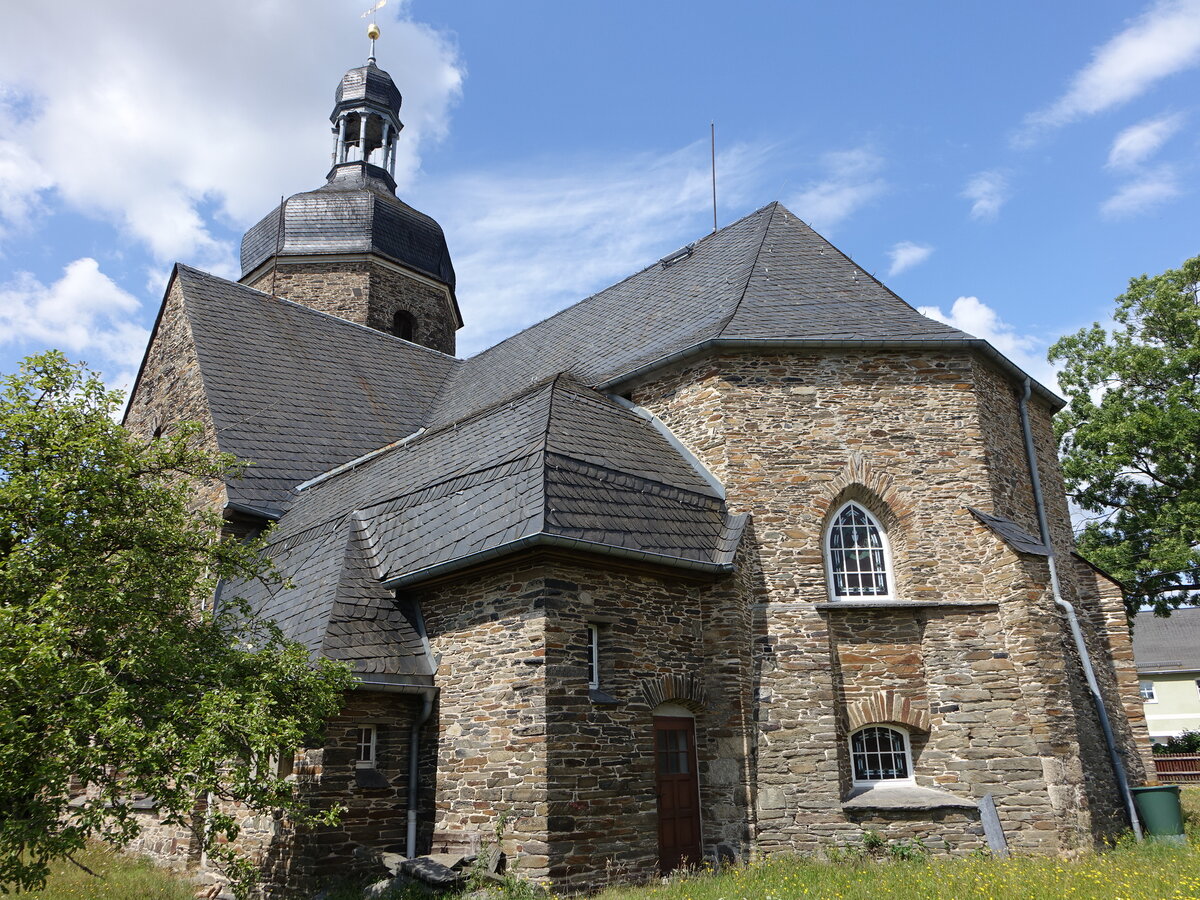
pixel 1164 645
pixel 559 465
pixel 1012 533
pixel 389 463
pixel 297 391
pixel 767 277
pixel 367 84
pixel 355 211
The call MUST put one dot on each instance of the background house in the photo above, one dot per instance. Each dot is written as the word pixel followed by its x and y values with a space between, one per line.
pixel 1167 651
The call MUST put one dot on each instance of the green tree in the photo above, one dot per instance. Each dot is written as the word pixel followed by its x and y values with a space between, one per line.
pixel 118 680
pixel 1130 438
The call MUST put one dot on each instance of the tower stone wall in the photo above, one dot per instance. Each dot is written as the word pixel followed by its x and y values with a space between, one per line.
pixel 368 292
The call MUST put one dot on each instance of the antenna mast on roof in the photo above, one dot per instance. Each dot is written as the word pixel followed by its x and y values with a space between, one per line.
pixel 712 135
pixel 373 28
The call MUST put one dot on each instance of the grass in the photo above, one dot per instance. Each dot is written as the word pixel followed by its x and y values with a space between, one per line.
pixel 1127 872
pixel 121 878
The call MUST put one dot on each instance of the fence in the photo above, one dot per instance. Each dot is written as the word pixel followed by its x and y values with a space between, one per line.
pixel 1177 768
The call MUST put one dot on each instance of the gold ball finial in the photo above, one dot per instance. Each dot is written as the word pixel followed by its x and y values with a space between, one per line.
pixel 373 31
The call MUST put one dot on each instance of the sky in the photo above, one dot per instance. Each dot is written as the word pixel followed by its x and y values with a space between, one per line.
pixel 1007 172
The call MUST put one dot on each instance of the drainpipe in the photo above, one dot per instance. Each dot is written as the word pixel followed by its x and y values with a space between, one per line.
pixel 414 739
pixel 1069 611
pixel 414 746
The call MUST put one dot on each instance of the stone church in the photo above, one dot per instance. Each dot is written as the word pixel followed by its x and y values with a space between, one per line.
pixel 740 555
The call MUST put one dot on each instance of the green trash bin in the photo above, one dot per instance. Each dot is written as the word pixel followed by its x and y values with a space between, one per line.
pixel 1158 808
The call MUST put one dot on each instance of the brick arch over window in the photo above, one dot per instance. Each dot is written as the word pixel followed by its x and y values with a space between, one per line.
pixel 686 690
pixel 875 490
pixel 887 708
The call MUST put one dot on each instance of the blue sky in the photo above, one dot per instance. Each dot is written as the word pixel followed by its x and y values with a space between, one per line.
pixel 1008 171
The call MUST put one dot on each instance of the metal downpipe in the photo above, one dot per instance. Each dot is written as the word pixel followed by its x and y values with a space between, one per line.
pixel 414 753
pixel 414 744
pixel 1085 658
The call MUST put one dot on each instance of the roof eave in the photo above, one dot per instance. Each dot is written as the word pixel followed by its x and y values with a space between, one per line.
pixel 977 345
pixel 544 539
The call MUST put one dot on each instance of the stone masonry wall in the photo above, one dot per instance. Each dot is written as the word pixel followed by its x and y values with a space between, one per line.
pixel 368 293
pixel 171 390
pixel 661 640
pixel 793 436
pixel 488 631
pixel 1098 602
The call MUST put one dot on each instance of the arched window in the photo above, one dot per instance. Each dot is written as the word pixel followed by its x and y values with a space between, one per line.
pixel 880 755
pixel 404 325
pixel 856 552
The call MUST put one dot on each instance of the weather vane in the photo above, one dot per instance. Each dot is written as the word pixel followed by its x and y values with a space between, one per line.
pixel 373 29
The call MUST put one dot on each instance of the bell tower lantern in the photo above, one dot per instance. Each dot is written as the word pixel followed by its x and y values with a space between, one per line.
pixel 352 248
pixel 366 118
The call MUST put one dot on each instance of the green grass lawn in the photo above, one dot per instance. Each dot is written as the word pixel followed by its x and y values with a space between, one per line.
pixel 120 878
pixel 1128 872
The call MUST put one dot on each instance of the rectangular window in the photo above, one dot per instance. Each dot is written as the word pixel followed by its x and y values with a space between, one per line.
pixel 1147 689
pixel 593 631
pixel 366 747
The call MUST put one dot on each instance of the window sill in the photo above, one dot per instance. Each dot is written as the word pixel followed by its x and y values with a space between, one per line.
pixel 903 604
pixel 370 778
pixel 910 797
pixel 600 698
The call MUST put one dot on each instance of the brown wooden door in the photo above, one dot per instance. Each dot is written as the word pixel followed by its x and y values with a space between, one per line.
pixel 678 792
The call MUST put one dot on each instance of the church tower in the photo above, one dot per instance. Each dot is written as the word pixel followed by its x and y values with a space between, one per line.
pixel 351 248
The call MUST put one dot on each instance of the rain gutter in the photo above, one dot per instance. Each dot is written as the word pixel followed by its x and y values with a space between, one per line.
pixel 553 540
pixel 723 343
pixel 1085 659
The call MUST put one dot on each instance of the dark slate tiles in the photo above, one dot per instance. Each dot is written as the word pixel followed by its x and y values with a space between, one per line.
pixel 298 392
pixel 353 212
pixel 648 315
pixel 767 277
pixel 804 288
pixel 1011 533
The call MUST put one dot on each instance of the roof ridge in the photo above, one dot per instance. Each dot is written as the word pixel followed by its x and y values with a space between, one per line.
pixel 629 277
pixel 709 500
pixel 544 506
pixel 753 267
pixel 190 270
pixel 419 436
pixel 846 256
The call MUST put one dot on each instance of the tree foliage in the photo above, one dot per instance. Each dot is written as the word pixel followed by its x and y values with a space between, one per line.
pixel 1130 438
pixel 118 680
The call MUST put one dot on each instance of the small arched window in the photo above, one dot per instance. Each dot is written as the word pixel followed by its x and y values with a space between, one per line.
pixel 880 755
pixel 857 554
pixel 404 325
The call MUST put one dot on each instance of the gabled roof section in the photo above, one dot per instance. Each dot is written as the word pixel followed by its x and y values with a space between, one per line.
pixel 297 391
pixel 767 277
pixel 1170 644
pixel 559 464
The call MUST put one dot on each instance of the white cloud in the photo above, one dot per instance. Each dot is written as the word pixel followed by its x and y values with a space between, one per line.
pixel 166 124
pixel 84 312
pixel 1163 41
pixel 22 182
pixel 1139 142
pixel 527 243
pixel 987 191
pixel 851 181
pixel 972 315
pixel 1142 194
pixel 905 255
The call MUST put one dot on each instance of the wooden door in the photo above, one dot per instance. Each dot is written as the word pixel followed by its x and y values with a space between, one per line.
pixel 678 792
